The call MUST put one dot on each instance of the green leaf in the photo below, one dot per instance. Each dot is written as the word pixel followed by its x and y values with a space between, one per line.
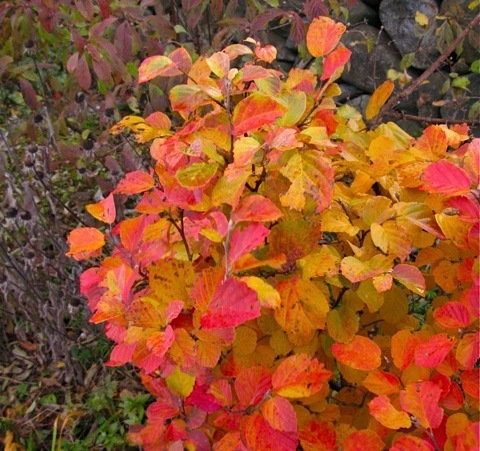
pixel 407 60
pixel 460 82
pixel 475 67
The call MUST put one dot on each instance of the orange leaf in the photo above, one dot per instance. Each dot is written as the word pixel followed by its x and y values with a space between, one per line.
pixel 84 243
pixel 471 382
pixel 256 208
pixel 323 35
pixel 378 99
pixel 357 271
pixel 298 376
pixel 360 354
pixel 382 383
pixel 251 385
pixel 452 315
pixel 103 211
pixel 303 309
pixel 363 440
pixel 134 183
pixel 421 400
pixel 318 436
pixel 254 112
pixel 432 352
pixel 383 411
pixel 410 276
pixel 468 350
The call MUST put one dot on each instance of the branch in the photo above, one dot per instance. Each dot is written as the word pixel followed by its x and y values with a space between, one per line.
pixel 395 100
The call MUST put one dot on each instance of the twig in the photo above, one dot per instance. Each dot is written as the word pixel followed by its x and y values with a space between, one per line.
pixel 395 100
pixel 429 120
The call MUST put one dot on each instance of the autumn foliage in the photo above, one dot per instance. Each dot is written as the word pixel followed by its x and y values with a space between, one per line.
pixel 290 277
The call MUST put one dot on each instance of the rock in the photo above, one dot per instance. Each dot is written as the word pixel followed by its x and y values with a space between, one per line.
pixel 431 92
pixel 360 103
pixel 361 12
pixel 399 19
pixel 369 60
pixel 458 11
pixel 373 3
pixel 348 92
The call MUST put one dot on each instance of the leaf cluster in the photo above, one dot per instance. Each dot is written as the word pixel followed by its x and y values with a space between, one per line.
pixel 266 284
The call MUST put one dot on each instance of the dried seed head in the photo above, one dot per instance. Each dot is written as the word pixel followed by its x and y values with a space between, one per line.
pixel 29 47
pixel 88 144
pixel 32 148
pixel 11 212
pixel 38 119
pixel 29 161
pixel 80 97
pixel 25 215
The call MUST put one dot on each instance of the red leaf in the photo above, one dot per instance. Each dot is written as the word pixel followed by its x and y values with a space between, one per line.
pixel 251 384
pixel 452 315
pixel 134 183
pixel 323 35
pixel 245 240
pixel 280 415
pixel 82 73
pixel 29 95
pixel 298 376
pixel 254 112
pixel 421 400
pixel 315 8
pixel 123 41
pixel 256 208
pixel 360 354
pixel 233 304
pixel 298 29
pixel 432 352
pixel 334 61
pixel 260 436
pixel 84 243
pixel 446 178
pixel 411 443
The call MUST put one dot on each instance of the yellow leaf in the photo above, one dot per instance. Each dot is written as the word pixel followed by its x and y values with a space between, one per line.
pixel 368 294
pixel 267 295
pixel 421 19
pixel 342 324
pixel 335 220
pixel 180 383
pixel 319 264
pixel 378 99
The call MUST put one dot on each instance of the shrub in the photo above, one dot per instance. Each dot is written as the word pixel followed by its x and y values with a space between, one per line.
pixel 287 276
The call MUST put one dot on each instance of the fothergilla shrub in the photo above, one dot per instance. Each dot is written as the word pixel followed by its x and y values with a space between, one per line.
pixel 289 277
